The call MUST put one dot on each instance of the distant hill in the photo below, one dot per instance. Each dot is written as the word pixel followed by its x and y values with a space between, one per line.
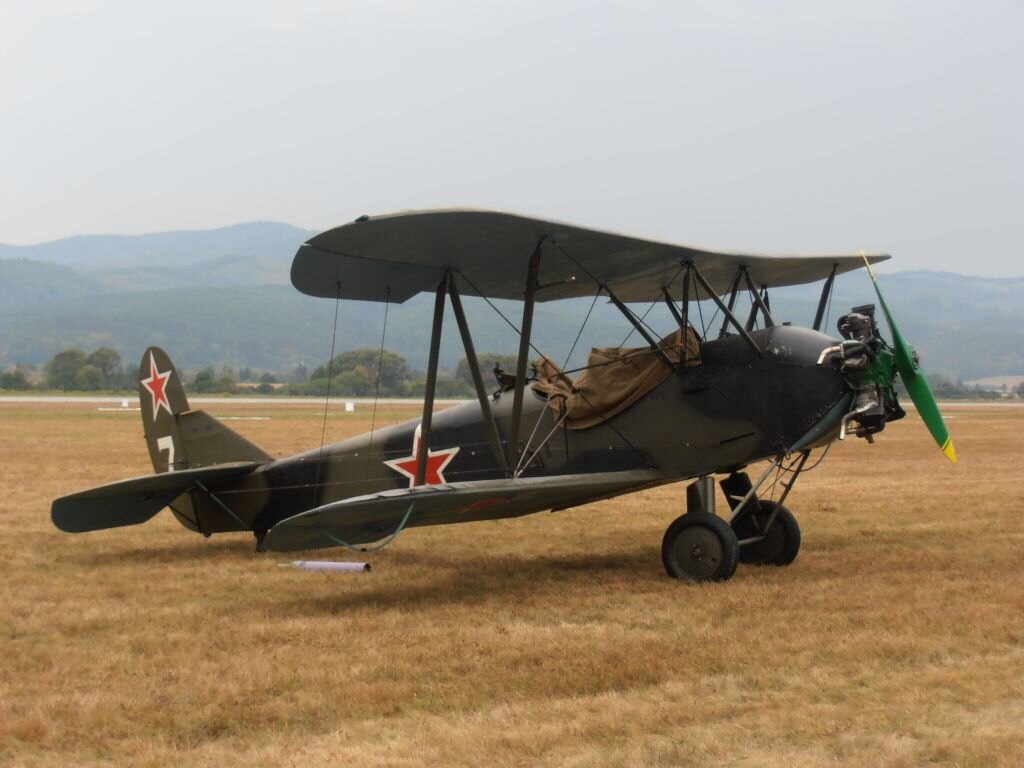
pixel 258 253
pixel 223 297
pixel 261 239
pixel 26 283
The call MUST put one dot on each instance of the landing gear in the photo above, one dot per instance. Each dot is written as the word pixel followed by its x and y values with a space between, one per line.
pixel 769 535
pixel 700 547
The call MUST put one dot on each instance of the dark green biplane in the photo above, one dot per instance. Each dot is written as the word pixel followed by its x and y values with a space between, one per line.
pixel 676 408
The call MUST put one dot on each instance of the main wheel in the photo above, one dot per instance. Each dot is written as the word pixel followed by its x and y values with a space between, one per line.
pixel 781 541
pixel 700 547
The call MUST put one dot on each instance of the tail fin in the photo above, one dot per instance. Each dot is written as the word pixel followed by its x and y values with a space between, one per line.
pixel 179 438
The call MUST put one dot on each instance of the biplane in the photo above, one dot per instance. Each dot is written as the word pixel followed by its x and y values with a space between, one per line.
pixel 685 405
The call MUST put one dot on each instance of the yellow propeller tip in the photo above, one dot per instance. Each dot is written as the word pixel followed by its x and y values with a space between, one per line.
pixel 950 451
pixel 868 265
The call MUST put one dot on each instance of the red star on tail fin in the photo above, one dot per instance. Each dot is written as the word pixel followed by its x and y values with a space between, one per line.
pixel 157 386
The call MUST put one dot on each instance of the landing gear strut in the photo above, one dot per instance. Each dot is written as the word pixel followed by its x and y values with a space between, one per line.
pixel 767 531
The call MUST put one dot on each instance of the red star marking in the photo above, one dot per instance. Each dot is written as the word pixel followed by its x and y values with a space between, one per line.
pixel 157 386
pixel 436 462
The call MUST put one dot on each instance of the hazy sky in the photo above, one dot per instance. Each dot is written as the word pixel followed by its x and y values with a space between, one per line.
pixel 768 126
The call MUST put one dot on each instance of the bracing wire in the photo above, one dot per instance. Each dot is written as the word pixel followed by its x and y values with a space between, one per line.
pixel 700 313
pixel 576 341
pixel 525 460
pixel 640 320
pixel 500 314
pixel 568 255
pixel 775 481
pixel 787 469
pixel 540 415
pixel 714 318
pixel 327 398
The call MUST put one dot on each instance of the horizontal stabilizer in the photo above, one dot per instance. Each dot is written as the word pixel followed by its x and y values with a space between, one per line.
pixel 134 501
pixel 363 519
pixel 206 441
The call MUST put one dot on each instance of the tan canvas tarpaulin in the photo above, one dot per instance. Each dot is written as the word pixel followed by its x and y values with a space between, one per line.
pixel 615 378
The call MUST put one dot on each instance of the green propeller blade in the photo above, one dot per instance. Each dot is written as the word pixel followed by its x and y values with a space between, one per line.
pixel 915 381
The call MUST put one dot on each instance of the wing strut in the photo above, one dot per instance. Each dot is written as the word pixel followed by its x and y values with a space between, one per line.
pixel 478 382
pixel 826 294
pixel 725 310
pixel 524 351
pixel 685 325
pixel 759 300
pixel 734 291
pixel 657 350
pixel 431 386
pixel 673 308
pixel 683 318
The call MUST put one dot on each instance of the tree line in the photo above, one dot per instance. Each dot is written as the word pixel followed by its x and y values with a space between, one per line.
pixel 355 373
pixel 368 372
pixel 72 370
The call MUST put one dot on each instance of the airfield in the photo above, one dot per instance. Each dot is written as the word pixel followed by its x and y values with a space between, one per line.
pixel 895 639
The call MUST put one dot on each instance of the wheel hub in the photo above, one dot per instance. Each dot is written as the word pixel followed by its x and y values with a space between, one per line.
pixel 699 551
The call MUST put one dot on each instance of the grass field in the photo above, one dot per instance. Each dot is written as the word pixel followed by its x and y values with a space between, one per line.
pixel 896 638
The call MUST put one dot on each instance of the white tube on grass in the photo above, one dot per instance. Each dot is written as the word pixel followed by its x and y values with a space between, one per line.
pixel 328 565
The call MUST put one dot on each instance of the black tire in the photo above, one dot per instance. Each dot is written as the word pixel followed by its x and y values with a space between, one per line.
pixel 781 542
pixel 700 547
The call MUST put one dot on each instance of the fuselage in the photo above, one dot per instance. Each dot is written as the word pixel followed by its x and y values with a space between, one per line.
pixel 735 408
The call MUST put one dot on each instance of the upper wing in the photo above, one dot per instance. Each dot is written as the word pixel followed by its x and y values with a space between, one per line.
pixel 396 256
pixel 368 518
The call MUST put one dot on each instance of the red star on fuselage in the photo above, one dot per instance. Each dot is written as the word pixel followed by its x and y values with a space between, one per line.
pixel 156 384
pixel 436 462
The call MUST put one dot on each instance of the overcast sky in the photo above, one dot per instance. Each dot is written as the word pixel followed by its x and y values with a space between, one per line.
pixel 766 126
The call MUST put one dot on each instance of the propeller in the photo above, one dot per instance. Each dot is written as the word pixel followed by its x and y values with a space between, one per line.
pixel 914 380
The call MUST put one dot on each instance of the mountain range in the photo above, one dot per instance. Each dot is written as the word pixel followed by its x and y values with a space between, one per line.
pixel 222 297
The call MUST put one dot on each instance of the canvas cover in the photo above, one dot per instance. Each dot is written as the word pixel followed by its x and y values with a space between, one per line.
pixel 614 379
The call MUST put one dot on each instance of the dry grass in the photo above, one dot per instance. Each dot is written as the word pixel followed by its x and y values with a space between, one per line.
pixel 895 638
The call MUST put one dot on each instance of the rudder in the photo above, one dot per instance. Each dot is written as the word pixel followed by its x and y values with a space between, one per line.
pixel 161 399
